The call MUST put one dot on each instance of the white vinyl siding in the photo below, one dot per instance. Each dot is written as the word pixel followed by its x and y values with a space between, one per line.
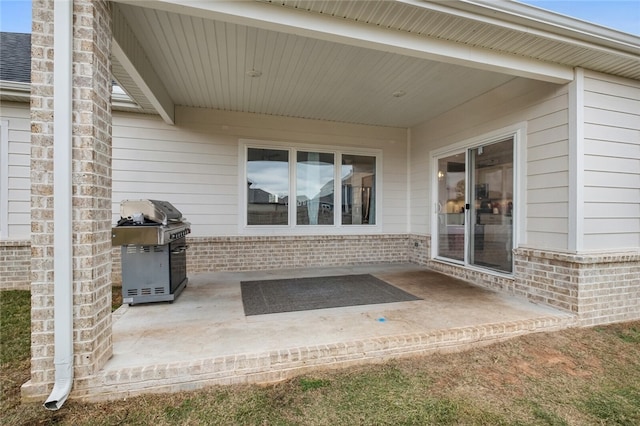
pixel 157 161
pixel 394 188
pixel 548 176
pixel 543 107
pixel 194 164
pixel 611 163
pixel 15 176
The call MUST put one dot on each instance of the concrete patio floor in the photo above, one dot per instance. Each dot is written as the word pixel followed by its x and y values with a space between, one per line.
pixel 203 338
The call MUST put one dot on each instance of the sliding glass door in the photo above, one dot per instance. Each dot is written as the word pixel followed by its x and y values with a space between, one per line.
pixel 452 176
pixel 475 206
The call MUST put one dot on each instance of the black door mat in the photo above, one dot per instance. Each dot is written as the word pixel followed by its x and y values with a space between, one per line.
pixel 302 294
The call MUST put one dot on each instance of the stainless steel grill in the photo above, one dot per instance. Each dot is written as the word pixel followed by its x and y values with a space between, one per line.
pixel 153 254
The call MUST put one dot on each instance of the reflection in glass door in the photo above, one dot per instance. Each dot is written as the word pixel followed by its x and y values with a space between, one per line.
pixel 475 206
pixel 492 209
pixel 451 206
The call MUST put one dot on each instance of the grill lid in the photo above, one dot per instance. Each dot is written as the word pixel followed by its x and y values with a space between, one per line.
pixel 152 210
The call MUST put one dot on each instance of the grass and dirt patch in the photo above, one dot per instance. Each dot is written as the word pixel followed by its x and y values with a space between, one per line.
pixel 571 377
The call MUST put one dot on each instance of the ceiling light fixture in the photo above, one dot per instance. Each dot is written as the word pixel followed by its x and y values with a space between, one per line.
pixel 399 93
pixel 254 73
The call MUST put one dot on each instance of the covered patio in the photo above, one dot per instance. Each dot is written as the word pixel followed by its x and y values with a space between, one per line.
pixel 221 94
pixel 204 337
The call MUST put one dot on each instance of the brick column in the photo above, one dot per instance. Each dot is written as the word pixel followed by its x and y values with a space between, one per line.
pixel 91 192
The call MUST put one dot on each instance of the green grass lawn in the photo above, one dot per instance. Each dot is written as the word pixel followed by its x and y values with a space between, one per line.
pixel 572 377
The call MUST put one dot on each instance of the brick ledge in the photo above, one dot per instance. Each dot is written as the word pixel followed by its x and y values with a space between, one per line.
pixel 248 238
pixel 270 367
pixel 15 243
pixel 582 258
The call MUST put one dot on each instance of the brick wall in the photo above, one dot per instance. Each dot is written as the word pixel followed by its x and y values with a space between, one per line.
pixel 419 249
pixel 92 185
pixel 42 348
pixel 208 254
pixel 91 169
pixel 255 253
pixel 548 277
pixel 477 276
pixel 600 287
pixel 303 251
pixel 15 264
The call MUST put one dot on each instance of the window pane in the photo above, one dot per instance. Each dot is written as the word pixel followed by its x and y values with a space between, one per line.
pixel 315 183
pixel 358 173
pixel 268 193
pixel 452 187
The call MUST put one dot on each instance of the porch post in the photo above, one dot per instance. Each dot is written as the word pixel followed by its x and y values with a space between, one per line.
pixel 91 189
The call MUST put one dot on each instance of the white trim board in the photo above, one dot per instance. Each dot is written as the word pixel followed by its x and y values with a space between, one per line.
pixel 4 179
pixel 575 241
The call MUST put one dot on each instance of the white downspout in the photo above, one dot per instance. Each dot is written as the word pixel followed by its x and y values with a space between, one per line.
pixel 62 204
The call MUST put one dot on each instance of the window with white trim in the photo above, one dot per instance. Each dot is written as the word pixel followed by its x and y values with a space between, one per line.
pixel 267 186
pixel 305 188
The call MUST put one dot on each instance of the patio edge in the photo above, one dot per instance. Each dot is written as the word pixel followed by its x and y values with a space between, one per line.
pixel 275 366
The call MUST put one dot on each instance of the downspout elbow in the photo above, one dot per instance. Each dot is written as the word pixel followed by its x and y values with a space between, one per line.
pixel 61 387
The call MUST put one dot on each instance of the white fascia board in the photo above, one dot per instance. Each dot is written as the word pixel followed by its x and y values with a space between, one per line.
pixel 363 35
pixel 127 49
pixel 15 89
pixel 539 22
pixel 573 28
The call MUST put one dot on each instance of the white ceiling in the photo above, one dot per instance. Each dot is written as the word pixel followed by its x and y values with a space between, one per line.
pixel 205 63
pixel 202 52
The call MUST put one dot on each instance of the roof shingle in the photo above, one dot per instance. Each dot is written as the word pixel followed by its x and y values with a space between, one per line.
pixel 15 57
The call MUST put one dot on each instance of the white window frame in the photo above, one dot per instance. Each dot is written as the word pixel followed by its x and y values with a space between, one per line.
pixel 518 132
pixel 4 179
pixel 292 228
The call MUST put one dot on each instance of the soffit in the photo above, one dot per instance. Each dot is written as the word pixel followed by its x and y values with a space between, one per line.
pixel 204 63
pixel 139 103
pixel 526 37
